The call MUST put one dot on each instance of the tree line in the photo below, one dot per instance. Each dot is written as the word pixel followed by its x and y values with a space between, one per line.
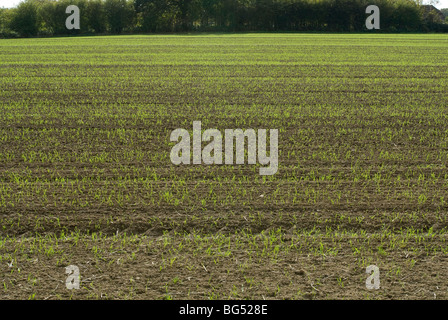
pixel 47 17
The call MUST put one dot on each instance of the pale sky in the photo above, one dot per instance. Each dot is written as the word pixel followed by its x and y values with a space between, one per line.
pixel 9 3
pixel 13 3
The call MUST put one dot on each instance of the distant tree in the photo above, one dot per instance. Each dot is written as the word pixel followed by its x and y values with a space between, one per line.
pixel 139 5
pixel 189 12
pixel 52 17
pixel 406 16
pixel 340 12
pixel 24 19
pixel 445 12
pixel 119 14
pixel 116 16
pixel 4 23
pixel 432 18
pixel 153 15
pixel 95 16
pixel 226 15
pixel 146 13
pixel 265 15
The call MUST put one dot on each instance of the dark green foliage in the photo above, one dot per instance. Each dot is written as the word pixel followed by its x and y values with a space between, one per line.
pixel 96 16
pixel 445 12
pixel 5 22
pixel 24 19
pixel 53 17
pixel 46 17
pixel 119 14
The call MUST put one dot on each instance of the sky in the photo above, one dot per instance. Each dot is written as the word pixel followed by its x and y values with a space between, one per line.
pixel 13 3
pixel 9 3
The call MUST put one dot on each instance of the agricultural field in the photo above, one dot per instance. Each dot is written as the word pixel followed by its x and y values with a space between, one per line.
pixel 86 177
